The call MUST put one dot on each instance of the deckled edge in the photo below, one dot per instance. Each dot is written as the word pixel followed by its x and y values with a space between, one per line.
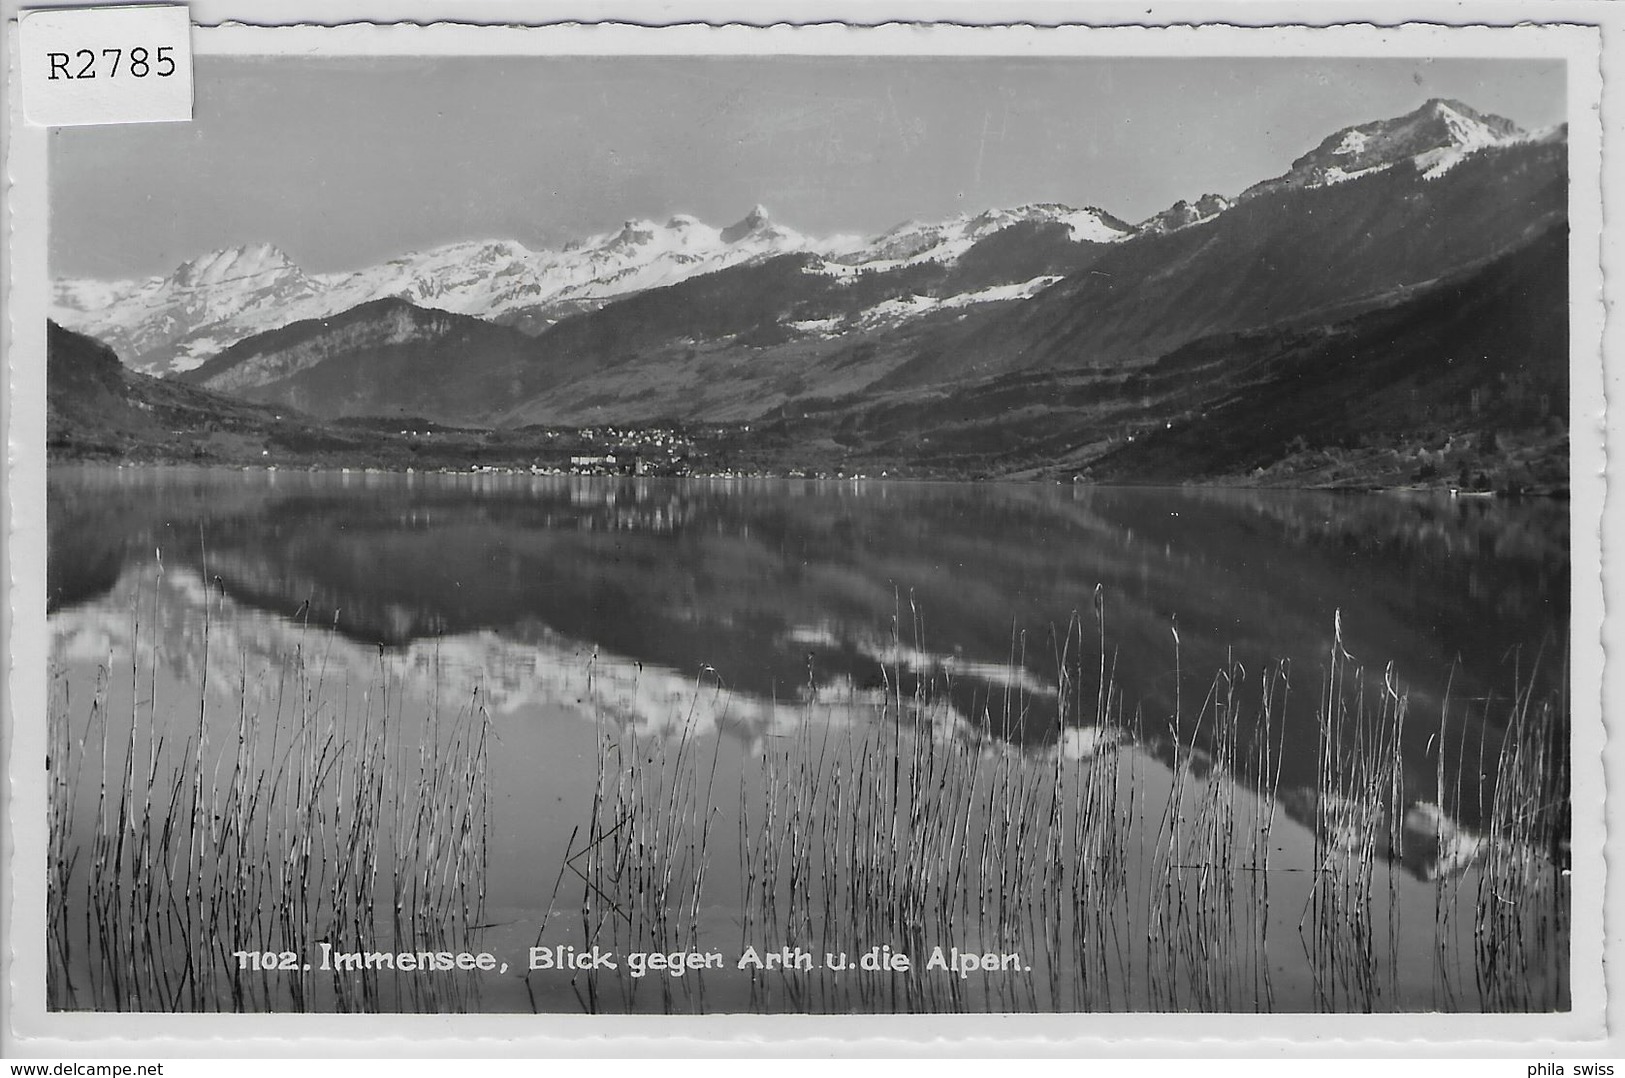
pixel 593 1041
pixel 8 985
pixel 23 298
pixel 1609 176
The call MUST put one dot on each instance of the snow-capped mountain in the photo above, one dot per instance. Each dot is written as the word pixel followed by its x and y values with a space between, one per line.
pixel 946 241
pixel 1183 214
pixel 200 308
pixel 1434 139
pixel 174 323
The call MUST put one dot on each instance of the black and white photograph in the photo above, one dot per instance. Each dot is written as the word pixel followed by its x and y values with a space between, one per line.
pixel 883 528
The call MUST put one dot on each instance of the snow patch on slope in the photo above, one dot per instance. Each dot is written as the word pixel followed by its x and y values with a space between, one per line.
pixel 1336 175
pixel 894 311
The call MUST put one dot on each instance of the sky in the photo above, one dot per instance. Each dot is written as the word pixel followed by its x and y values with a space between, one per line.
pixel 345 162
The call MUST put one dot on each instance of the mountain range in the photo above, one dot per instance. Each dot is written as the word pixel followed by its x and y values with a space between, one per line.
pixel 173 323
pixel 756 322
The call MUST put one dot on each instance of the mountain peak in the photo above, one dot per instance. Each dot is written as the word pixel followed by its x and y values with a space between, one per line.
pixel 1439 104
pixel 754 221
pixel 1434 137
pixel 634 232
pixel 1183 214
pixel 1438 123
pixel 1443 106
pixel 233 263
pixel 1462 119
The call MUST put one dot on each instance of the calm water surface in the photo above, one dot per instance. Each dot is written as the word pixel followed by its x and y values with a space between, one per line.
pixel 734 620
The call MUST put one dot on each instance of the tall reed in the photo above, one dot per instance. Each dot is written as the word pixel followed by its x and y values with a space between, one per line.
pixel 1132 859
pixel 184 836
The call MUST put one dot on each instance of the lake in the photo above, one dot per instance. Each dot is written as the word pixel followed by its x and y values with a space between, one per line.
pixel 1130 749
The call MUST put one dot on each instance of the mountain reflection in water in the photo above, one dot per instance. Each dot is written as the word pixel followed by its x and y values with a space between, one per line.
pixel 655 639
pixel 785 590
pixel 771 582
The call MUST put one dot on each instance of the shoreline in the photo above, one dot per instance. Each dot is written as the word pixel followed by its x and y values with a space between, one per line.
pixel 788 475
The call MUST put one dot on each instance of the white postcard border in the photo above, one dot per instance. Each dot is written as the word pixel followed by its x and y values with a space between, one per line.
pixel 34 1031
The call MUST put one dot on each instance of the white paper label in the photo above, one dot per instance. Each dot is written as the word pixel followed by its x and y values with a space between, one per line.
pixel 106 65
